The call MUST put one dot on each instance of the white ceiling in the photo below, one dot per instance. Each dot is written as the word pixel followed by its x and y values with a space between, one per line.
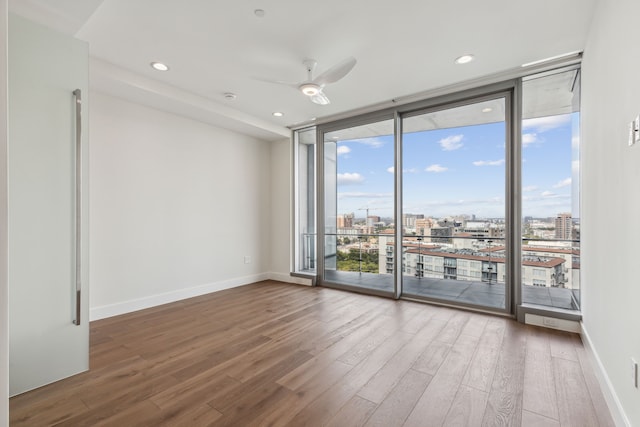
pixel 218 46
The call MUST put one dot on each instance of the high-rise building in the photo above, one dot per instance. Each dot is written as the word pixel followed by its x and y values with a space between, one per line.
pixel 345 221
pixel 564 226
pixel 423 226
pixel 372 219
pixel 409 220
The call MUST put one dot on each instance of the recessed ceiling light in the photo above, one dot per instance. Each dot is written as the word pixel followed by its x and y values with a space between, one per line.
pixel 487 110
pixel 278 114
pixel 464 59
pixel 230 96
pixel 159 66
pixel 259 13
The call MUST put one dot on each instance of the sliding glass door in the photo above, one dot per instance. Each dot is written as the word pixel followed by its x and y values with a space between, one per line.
pixel 454 223
pixel 467 199
pixel 359 206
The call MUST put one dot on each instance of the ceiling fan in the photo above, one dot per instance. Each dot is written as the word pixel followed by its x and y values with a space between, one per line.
pixel 312 87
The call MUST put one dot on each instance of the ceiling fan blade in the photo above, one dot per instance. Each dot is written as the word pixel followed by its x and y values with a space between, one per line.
pixel 278 82
pixel 320 98
pixel 336 72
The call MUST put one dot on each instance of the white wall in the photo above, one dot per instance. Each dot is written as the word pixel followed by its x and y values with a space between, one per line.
pixel 611 196
pixel 175 206
pixel 280 210
pixel 4 288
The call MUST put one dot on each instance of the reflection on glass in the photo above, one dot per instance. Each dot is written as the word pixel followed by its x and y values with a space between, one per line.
pixel 453 223
pixel 305 257
pixel 550 190
pixel 358 205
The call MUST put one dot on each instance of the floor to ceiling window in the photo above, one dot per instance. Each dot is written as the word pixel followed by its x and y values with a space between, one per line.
pixel 551 189
pixel 454 217
pixel 359 205
pixel 469 199
pixel 304 214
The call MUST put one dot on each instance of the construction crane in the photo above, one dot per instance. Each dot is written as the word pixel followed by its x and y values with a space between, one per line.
pixel 365 209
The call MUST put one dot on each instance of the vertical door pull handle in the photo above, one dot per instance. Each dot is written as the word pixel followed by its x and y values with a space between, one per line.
pixel 78 205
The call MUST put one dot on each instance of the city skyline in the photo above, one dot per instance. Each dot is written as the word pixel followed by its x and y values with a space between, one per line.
pixel 461 171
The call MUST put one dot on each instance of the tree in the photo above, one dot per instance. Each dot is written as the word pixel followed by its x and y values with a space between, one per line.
pixel 354 260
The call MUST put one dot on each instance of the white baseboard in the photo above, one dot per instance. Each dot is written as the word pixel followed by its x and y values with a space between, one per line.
pixel 102 312
pixel 617 411
pixel 288 278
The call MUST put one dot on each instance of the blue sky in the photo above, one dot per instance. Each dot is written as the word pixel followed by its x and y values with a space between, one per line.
pixel 460 171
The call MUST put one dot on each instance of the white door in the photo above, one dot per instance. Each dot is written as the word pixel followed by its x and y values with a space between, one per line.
pixel 46 341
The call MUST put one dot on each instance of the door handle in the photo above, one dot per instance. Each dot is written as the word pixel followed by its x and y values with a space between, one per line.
pixel 78 205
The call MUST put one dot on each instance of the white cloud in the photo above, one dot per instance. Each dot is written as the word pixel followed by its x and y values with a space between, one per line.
pixel 575 167
pixel 575 142
pixel 436 169
pixel 452 142
pixel 546 196
pixel 360 195
pixel 530 188
pixel 543 124
pixel 343 149
pixel 371 142
pixel 350 178
pixel 488 207
pixel 489 162
pixel 529 138
pixel 391 169
pixel 564 183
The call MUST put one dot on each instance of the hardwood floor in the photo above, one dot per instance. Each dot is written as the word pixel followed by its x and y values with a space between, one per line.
pixel 273 354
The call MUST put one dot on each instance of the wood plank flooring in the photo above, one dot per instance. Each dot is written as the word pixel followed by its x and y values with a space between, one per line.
pixel 273 354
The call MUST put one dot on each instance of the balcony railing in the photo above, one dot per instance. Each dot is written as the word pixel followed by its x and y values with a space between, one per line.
pixel 471 260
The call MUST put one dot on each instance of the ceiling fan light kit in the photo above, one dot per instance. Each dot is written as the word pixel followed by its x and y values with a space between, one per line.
pixel 310 89
pixel 313 87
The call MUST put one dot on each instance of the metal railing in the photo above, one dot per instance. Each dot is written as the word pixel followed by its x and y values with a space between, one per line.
pixel 362 253
pixel 470 259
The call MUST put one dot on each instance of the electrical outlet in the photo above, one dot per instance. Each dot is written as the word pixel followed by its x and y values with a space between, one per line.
pixel 548 321
pixel 634 372
pixel 634 131
pixel 247 259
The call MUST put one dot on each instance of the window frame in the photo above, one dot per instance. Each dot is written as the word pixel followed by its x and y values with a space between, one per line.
pixel 510 83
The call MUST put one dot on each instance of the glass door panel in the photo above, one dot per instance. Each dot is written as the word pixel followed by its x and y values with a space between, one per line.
pixel 359 206
pixel 305 197
pixel 550 189
pixel 454 211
